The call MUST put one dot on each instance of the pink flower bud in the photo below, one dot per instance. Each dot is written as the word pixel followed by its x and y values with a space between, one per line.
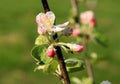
pixel 86 17
pixel 50 52
pixel 77 48
pixel 76 32
pixel 92 22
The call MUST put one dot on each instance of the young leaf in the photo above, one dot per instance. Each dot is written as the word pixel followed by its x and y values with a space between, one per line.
pixel 37 52
pixel 82 81
pixel 76 80
pixel 71 62
pixel 87 81
pixel 40 40
pixel 40 67
pixel 101 39
pixel 51 67
pixel 74 64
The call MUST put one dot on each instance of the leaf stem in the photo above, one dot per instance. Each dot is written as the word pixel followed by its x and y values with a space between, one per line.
pixel 87 62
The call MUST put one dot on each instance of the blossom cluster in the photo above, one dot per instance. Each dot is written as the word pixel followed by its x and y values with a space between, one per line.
pixel 87 20
pixel 87 17
pixel 45 22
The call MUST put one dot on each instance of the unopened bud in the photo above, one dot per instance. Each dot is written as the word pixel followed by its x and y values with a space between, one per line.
pixel 50 52
pixel 86 17
pixel 92 22
pixel 77 48
pixel 75 32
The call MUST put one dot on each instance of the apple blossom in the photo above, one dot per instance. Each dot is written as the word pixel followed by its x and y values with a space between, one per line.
pixel 45 23
pixel 41 30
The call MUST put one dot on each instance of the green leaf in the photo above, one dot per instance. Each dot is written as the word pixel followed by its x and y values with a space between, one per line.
pixel 74 64
pixel 101 39
pixel 71 62
pixel 87 81
pixel 41 39
pixel 40 67
pixel 38 51
pixel 82 81
pixel 45 63
pixel 76 80
pixel 51 67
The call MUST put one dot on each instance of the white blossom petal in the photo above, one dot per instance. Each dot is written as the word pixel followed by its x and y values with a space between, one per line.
pixel 39 17
pixel 57 29
pixel 63 25
pixel 51 18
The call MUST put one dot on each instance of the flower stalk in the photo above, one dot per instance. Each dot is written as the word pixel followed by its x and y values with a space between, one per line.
pixel 87 62
pixel 75 9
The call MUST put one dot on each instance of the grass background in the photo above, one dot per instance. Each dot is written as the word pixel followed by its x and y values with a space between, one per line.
pixel 18 32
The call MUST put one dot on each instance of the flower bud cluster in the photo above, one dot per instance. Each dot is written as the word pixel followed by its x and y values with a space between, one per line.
pixel 88 18
pixel 71 46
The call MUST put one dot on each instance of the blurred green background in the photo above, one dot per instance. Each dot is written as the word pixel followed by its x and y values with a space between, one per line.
pixel 18 31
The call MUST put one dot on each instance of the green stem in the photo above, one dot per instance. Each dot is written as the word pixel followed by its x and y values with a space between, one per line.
pixel 87 62
pixel 75 9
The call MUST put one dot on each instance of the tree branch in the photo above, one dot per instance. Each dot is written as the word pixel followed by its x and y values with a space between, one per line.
pixel 45 5
pixel 64 74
